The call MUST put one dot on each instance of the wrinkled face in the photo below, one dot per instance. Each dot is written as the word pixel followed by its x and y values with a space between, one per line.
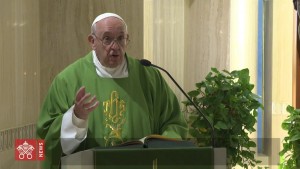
pixel 109 41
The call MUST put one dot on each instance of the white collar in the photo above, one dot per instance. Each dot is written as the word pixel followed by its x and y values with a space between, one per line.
pixel 120 71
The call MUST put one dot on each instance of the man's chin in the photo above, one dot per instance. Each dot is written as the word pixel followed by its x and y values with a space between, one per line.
pixel 114 64
pixel 114 61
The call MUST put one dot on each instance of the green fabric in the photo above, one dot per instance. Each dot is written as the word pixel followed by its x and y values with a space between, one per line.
pixel 130 108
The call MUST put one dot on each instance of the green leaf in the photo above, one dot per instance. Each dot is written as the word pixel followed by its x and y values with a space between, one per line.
pixel 195 133
pixel 208 76
pixel 199 85
pixel 193 93
pixel 295 137
pixel 251 144
pixel 290 109
pixel 185 102
pixel 221 125
pixel 215 70
pixel 286 124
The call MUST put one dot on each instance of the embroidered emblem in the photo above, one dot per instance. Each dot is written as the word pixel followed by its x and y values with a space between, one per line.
pixel 114 120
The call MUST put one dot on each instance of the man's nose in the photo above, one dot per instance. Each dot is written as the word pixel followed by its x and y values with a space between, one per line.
pixel 115 45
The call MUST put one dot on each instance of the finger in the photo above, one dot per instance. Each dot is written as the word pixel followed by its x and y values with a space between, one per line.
pixel 79 106
pixel 86 111
pixel 93 107
pixel 80 93
pixel 90 102
pixel 84 99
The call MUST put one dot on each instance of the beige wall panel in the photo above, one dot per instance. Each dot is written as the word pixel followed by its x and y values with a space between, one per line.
pixel 282 59
pixel 148 30
pixel 243 37
pixel 168 39
pixel 283 18
pixel 65 26
pixel 19 75
pixel 188 38
pixel 31 62
pixel 64 30
pixel 19 63
pixel 7 64
pixel 8 162
pixel 206 39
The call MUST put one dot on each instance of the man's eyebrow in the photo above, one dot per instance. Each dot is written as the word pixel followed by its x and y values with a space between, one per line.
pixel 110 33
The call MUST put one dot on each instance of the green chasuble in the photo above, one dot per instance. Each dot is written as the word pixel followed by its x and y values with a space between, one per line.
pixel 130 108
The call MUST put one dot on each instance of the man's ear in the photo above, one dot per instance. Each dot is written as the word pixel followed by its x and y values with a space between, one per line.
pixel 91 40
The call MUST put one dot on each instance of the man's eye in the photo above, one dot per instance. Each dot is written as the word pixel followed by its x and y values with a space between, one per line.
pixel 106 38
pixel 121 38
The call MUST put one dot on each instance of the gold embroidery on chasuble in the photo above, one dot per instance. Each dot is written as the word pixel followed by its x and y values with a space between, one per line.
pixel 114 119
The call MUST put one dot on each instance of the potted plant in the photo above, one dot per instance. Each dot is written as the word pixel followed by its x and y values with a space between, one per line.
pixel 291 143
pixel 227 101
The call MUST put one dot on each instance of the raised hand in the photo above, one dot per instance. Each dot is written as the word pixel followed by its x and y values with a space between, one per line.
pixel 84 104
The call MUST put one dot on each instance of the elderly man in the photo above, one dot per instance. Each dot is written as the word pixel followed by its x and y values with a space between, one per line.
pixel 106 98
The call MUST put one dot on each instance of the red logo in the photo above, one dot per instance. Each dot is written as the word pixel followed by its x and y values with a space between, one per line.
pixel 29 149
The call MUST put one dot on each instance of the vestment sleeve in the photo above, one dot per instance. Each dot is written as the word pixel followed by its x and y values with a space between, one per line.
pixel 73 131
pixel 59 99
pixel 171 119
